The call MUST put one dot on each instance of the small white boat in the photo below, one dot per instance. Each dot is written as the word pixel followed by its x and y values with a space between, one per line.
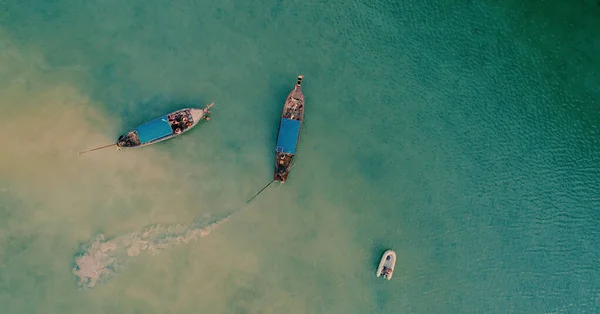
pixel 386 265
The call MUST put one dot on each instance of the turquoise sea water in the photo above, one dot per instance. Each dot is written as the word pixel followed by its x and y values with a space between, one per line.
pixel 462 134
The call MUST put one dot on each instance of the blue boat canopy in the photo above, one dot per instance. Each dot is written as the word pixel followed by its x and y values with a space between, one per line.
pixel 154 130
pixel 288 136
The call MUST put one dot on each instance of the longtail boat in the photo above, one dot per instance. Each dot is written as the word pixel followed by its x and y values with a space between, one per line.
pixel 288 135
pixel 161 128
pixel 289 132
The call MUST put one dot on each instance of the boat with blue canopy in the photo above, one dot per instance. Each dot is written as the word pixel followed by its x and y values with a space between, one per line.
pixel 161 128
pixel 288 135
pixel 289 132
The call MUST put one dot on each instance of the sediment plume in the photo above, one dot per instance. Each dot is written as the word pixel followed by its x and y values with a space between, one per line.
pixel 100 258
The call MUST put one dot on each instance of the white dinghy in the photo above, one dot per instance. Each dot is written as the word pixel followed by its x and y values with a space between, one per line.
pixel 386 265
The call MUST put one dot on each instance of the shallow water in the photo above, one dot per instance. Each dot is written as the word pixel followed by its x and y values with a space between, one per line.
pixel 463 136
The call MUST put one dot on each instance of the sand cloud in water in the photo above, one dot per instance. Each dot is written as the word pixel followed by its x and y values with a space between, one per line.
pixel 101 257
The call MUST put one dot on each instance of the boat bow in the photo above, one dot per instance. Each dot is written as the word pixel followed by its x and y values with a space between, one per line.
pixel 199 114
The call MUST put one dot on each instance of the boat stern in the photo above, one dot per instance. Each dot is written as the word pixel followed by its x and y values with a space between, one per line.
pixel 280 177
pixel 129 139
pixel 283 165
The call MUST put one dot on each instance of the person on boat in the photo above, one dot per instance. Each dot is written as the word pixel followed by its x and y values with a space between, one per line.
pixel 177 131
pixel 386 271
pixel 188 124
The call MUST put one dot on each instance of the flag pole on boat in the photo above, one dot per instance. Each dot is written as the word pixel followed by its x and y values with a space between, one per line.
pixel 97 148
pixel 255 195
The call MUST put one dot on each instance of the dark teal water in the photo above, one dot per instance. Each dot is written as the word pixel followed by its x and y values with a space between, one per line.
pixel 463 135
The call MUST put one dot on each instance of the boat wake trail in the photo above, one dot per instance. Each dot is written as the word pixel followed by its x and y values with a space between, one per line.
pixel 100 258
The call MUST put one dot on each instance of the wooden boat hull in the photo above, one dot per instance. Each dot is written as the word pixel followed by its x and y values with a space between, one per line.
pixel 290 127
pixel 163 128
pixel 388 260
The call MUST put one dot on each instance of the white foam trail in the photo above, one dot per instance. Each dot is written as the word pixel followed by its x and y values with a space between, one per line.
pixel 100 258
